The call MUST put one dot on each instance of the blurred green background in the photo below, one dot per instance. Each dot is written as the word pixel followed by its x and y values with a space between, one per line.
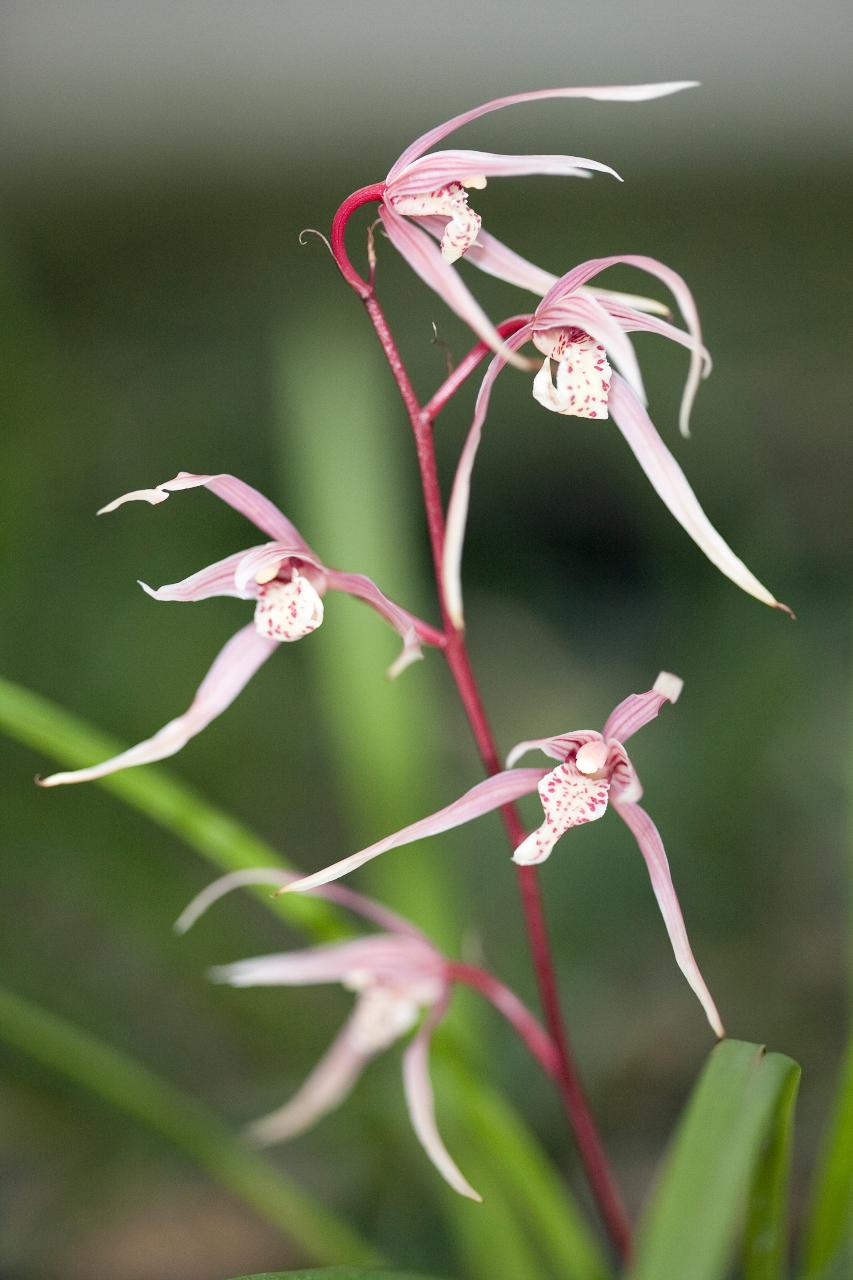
pixel 158 313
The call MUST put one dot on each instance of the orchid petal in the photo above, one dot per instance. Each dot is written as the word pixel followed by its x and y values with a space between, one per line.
pixel 261 564
pixel 585 271
pixel 558 748
pixel 326 1087
pixel 440 168
pixel 403 622
pixel 651 846
pixel 503 788
pixel 231 672
pixel 457 508
pixel 340 894
pixel 425 259
pixel 239 495
pixel 421 1103
pixel 384 956
pixel 671 485
pixel 638 709
pixel 570 798
pixel 217 579
pixel 496 259
pixel 607 93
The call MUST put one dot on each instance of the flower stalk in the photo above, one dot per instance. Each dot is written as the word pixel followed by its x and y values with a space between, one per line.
pixel 421 417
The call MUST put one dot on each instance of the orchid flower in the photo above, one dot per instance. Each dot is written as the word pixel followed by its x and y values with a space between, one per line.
pixel 581 335
pixel 287 582
pixel 594 768
pixel 399 979
pixel 425 198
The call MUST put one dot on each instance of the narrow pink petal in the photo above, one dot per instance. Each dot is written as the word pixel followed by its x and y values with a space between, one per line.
pixel 585 272
pixel 425 259
pixel 496 259
pixel 231 672
pixel 651 846
pixel 384 956
pixel 403 622
pixel 242 497
pixel 421 1104
pixel 268 558
pixel 558 748
pixel 606 93
pixel 457 508
pixel 569 798
pixel 498 790
pixel 670 483
pixel 339 894
pixel 217 579
pixel 639 708
pixel 327 1086
pixel 634 320
pixel 442 167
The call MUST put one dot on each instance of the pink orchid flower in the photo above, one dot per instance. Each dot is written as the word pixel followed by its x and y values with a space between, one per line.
pixel 580 335
pixel 425 199
pixel 594 769
pixel 287 582
pixel 399 979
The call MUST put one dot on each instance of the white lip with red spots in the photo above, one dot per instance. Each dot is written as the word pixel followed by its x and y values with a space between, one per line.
pixel 450 201
pixel 583 374
pixel 288 610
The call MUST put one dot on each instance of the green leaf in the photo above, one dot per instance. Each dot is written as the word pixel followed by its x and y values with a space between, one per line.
pixel 730 1135
pixel 183 1122
pixel 828 1250
pixel 766 1235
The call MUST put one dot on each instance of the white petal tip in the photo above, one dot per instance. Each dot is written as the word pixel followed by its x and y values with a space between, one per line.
pixel 785 608
pixel 668 686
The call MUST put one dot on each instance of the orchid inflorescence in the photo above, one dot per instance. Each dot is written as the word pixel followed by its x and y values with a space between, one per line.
pixel 586 368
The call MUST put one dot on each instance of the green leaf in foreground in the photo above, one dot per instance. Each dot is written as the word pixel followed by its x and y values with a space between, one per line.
pixel 185 1123
pixel 828 1248
pixel 732 1138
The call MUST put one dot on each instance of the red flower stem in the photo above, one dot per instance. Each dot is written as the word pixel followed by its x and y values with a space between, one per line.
pixel 467 365
pixel 577 1109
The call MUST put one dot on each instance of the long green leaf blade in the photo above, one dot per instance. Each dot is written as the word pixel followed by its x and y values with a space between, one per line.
pixel 766 1235
pixel 183 1122
pixel 690 1227
pixel 828 1248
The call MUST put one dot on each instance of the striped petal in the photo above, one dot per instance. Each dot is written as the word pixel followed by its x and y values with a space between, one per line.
pixel 651 846
pixel 219 579
pixel 231 672
pixel 558 748
pixel 503 788
pixel 457 508
pixel 404 623
pixel 239 495
pixel 638 709
pixel 671 485
pixel 601 93
pixel 442 167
